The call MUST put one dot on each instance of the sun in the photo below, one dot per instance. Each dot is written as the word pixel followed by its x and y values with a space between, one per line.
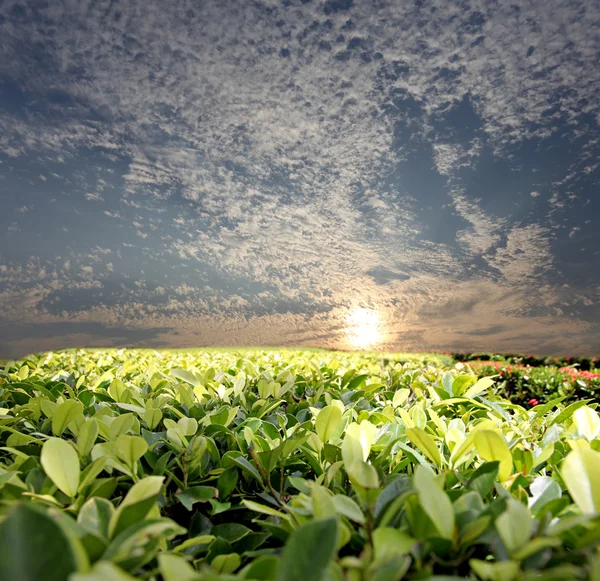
pixel 363 327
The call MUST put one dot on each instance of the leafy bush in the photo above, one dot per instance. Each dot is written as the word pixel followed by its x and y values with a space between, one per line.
pixel 582 363
pixel 527 385
pixel 288 465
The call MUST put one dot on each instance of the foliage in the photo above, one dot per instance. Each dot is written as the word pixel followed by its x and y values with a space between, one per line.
pixel 279 465
pixel 522 383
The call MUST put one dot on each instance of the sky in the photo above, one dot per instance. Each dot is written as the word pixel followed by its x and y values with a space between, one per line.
pixel 387 175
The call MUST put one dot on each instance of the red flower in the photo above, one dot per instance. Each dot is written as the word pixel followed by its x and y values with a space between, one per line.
pixel 533 402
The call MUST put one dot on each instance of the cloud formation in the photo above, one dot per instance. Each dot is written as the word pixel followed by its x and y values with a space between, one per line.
pixel 251 172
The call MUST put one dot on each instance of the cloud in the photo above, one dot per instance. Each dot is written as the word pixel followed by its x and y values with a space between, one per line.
pixel 252 162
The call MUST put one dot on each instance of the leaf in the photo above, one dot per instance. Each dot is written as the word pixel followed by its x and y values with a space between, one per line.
pixel 103 571
pixel 64 414
pixel 495 571
pixel 226 563
pixel 35 546
pixel 230 531
pixel 136 505
pixel 364 433
pixel 243 463
pixel 327 422
pixel 91 472
pixel 348 508
pixel 482 480
pixel 175 568
pixel 138 543
pixel 194 494
pixel 152 417
pixel 491 446
pixel 308 551
pixel 587 422
pixel 461 383
pixel 425 443
pixel 435 501
pixel 400 396
pixel 61 463
pixel 568 411
pixel 95 516
pixel 480 386
pixel 514 525
pixel 131 448
pixel 363 474
pixel 261 508
pixel 263 568
pixel 86 438
pixel 188 426
pixel 581 473
pixel 186 376
pixel 543 490
pixel 389 542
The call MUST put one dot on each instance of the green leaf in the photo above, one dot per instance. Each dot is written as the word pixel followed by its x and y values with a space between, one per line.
pixel 491 446
pixel 243 463
pixel 136 505
pixel 103 571
pixel 568 411
pixel 495 571
pixel 389 542
pixel 514 525
pixel 175 568
pixel 400 397
pixel 348 508
pixel 61 463
pixel 186 376
pixel 230 531
pixel 35 546
pixel 138 543
pixel 131 448
pixel 587 422
pixel 261 508
pixel 226 563
pixel 461 383
pixel 543 490
pixel 581 474
pixel 86 438
pixel 435 501
pixel 188 426
pixel 327 422
pixel 64 414
pixel 308 551
pixel 194 494
pixel 480 386
pixel 482 480
pixel 95 516
pixel 263 568
pixel 363 474
pixel 152 417
pixel 425 443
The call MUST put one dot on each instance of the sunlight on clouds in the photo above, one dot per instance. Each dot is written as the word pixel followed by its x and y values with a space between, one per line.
pixel 363 328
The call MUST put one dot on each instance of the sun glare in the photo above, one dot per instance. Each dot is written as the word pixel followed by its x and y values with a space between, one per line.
pixel 363 328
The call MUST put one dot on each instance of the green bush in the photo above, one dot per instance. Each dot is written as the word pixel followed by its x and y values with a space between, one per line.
pixel 522 384
pixel 288 465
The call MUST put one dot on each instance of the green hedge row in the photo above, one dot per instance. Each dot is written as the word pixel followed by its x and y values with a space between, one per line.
pixel 288 466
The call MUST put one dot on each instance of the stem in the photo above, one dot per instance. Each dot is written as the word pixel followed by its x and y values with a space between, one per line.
pixel 268 484
pixel 369 524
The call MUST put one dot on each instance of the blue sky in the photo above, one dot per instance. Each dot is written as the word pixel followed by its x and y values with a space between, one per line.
pixel 228 172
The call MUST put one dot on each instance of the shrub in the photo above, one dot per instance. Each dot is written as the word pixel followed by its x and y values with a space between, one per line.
pixel 287 465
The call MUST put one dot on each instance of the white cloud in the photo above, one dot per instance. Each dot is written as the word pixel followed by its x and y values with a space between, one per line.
pixel 278 169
